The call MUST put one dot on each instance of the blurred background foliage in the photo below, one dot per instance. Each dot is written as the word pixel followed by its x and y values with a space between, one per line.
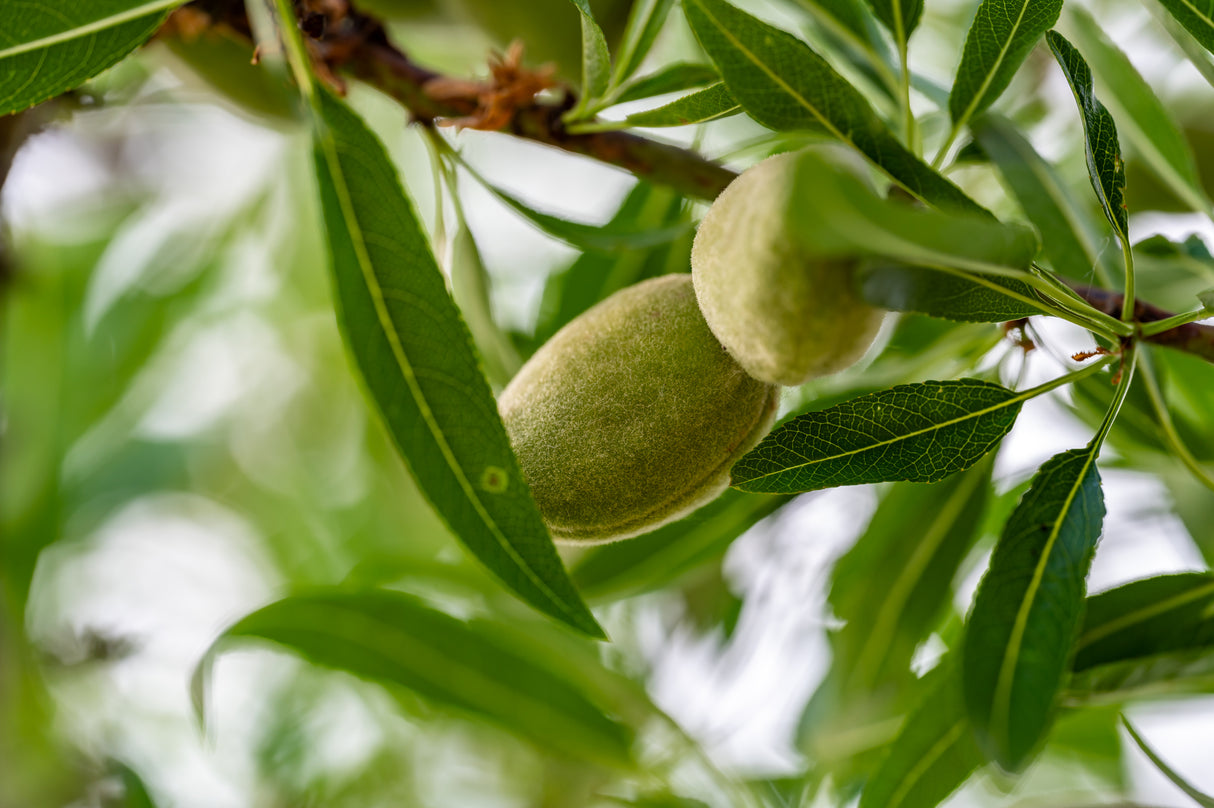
pixel 184 442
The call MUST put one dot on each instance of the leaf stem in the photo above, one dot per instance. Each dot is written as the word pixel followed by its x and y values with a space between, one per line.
pixel 1129 358
pixel 1159 326
pixel 944 148
pixel 1169 428
pixel 1068 378
pixel 1127 303
pixel 297 52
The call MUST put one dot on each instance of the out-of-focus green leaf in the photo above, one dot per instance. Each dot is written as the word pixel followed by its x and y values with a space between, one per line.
pixel 596 275
pixel 1162 675
pixel 135 793
pixel 51 47
pixel 971 298
pixel 1145 121
pixel 1000 37
pixel 1019 637
pixel 1152 616
pixel 645 20
pixel 933 755
pixel 670 79
pixel 1201 58
pixel 854 22
pixel 603 238
pixel 416 358
pixel 596 59
pixel 395 640
pixel 914 432
pixel 470 288
pixel 784 85
pixel 837 214
pixel 1067 237
pixel 901 17
pixel 1207 298
pixel 1105 166
pixel 1167 771
pixel 709 104
pixel 626 568
pixel 1196 17
pixel 892 586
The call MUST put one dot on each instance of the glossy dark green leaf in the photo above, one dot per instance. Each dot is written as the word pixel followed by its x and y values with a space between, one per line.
pixel 914 432
pixel 968 298
pixel 1105 167
pixel 892 587
pixel 645 20
pixel 838 214
pixel 1067 236
pixel 1197 17
pixel 705 105
pixel 900 17
pixel 596 59
pixel 1198 796
pixel 633 567
pixel 604 238
pixel 934 754
pixel 670 79
pixel 415 356
pixel 1145 122
pixel 1021 631
pixel 394 639
pixel 784 85
pixel 1000 37
pixel 51 47
pixel 1148 617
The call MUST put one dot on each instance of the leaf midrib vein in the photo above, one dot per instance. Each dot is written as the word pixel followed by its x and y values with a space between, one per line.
pixel 94 27
pixel 1157 608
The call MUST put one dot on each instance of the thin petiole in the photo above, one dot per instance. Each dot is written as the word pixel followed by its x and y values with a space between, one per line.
pixel 1068 378
pixel 1159 326
pixel 1128 361
pixel 1127 304
pixel 1169 428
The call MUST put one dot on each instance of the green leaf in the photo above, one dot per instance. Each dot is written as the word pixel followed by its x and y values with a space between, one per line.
pixel 51 47
pixel 1000 37
pixel 1067 237
pixel 933 755
pixel 901 17
pixel 1105 167
pixel 1207 299
pixel 1148 617
pixel 596 59
pixel 627 568
pixel 705 105
pixel 892 587
pixel 645 20
pixel 1177 780
pixel 603 238
pixel 1200 57
pixel 838 214
pixel 784 85
pixel 596 275
pixel 415 355
pixel 1146 123
pixel 969 298
pixel 1162 675
pixel 915 432
pixel 470 287
pixel 670 79
pixel 395 640
pixel 1019 637
pixel 1197 17
pixel 851 24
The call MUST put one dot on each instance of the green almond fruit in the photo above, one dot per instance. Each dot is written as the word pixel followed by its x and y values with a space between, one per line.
pixel 632 414
pixel 787 312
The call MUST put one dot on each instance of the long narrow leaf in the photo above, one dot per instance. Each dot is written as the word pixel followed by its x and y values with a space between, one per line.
pixel 968 298
pixel 709 104
pixel 1000 37
pixel 645 20
pixel 1067 236
pixel 670 79
pixel 914 432
pixel 1197 17
pixel 900 17
pixel 596 59
pixel 395 640
pixel 1145 121
pixel 51 47
pixel 1019 637
pixel 415 356
pixel 784 85
pixel 1105 166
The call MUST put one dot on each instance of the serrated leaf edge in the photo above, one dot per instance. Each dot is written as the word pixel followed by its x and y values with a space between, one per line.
pixel 97 26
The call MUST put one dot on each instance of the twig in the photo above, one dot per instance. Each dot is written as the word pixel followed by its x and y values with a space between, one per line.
pixel 1190 337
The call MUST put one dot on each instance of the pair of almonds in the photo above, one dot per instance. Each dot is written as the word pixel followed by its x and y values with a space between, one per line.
pixel 632 415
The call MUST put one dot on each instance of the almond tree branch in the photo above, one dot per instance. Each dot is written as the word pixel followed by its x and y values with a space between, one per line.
pixel 1191 337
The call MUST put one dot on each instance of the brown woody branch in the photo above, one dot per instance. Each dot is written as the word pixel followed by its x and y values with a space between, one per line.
pixel 1190 338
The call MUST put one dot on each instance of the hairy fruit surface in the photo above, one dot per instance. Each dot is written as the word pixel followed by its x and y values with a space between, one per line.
pixel 632 414
pixel 786 312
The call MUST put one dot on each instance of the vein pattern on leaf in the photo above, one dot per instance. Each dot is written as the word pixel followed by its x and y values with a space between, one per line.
pixel 919 432
pixel 417 360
